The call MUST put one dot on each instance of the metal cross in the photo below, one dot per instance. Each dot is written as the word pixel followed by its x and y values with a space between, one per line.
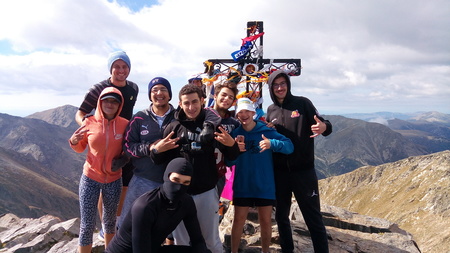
pixel 249 64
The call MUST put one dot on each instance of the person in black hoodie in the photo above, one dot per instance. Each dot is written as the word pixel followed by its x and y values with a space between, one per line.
pixel 156 213
pixel 296 118
pixel 185 136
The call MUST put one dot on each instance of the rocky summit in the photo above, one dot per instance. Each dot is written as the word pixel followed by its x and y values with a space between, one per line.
pixel 413 193
pixel 348 232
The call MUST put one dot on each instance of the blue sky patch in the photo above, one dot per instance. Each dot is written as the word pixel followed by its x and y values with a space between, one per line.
pixel 136 5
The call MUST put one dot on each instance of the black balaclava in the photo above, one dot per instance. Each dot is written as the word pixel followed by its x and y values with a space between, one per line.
pixel 171 190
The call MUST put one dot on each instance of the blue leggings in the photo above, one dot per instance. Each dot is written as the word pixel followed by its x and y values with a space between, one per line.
pixel 89 192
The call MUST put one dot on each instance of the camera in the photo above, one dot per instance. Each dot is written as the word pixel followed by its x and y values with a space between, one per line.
pixel 193 148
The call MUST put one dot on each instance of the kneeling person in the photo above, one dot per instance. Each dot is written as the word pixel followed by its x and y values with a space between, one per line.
pixel 157 213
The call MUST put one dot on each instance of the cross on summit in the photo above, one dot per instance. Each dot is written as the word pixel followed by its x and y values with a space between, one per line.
pixel 248 62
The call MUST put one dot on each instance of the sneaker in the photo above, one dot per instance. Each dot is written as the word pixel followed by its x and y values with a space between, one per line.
pixel 101 235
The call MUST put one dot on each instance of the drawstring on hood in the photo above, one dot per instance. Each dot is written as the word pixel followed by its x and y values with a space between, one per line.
pixel 274 76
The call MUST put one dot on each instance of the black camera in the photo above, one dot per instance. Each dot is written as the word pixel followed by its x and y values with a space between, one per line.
pixel 193 147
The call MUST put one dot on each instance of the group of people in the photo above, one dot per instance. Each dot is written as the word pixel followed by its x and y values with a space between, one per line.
pixel 159 173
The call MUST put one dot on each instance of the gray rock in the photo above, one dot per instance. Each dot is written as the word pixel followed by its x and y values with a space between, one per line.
pixel 348 232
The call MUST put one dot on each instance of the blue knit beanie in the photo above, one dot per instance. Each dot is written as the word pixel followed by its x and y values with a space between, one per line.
pixel 162 81
pixel 118 55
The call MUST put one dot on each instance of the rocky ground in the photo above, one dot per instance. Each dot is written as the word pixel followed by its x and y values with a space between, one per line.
pixel 348 232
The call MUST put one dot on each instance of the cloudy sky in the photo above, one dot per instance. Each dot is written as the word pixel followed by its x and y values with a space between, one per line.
pixel 357 56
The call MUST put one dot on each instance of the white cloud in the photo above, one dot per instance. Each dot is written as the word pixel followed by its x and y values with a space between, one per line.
pixel 356 56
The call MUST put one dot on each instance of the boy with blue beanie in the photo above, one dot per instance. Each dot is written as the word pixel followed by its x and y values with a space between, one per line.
pixel 118 55
pixel 163 82
pixel 119 66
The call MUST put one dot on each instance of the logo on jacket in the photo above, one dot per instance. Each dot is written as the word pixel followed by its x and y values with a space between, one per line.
pixel 144 132
pixel 118 136
pixel 295 114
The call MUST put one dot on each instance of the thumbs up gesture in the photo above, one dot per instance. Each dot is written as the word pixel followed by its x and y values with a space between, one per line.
pixel 264 144
pixel 318 128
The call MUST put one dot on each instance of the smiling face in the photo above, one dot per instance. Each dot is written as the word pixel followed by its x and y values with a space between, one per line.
pixel 224 100
pixel 279 88
pixel 110 106
pixel 191 104
pixel 246 118
pixel 119 71
pixel 159 95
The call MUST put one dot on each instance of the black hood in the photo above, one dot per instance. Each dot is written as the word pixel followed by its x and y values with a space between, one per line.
pixel 171 190
pixel 274 76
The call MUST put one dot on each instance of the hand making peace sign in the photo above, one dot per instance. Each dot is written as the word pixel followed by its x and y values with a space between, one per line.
pixel 78 135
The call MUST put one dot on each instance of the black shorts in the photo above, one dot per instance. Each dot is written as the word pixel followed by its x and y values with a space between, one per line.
pixel 127 173
pixel 253 202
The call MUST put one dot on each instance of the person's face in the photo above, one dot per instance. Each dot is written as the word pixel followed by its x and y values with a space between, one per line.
pixel 191 104
pixel 110 106
pixel 180 179
pixel 224 100
pixel 120 71
pixel 279 86
pixel 198 83
pixel 245 116
pixel 159 95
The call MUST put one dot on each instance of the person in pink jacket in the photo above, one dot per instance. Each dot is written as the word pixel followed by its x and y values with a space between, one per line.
pixel 102 134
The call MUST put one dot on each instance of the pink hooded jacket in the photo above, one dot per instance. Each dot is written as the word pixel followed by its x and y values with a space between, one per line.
pixel 104 142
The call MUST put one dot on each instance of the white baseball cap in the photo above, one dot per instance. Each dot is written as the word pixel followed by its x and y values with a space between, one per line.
pixel 244 104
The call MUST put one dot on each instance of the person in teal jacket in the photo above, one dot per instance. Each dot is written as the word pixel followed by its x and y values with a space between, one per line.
pixel 254 183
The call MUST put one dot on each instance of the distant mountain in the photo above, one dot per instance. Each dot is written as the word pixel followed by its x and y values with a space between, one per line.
pixel 47 143
pixel 28 189
pixel 61 116
pixel 433 135
pixel 429 130
pixel 434 117
pixel 413 192
pixel 381 117
pixel 355 143
pixel 40 170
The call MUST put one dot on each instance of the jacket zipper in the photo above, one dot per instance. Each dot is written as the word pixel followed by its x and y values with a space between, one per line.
pixel 284 125
pixel 106 150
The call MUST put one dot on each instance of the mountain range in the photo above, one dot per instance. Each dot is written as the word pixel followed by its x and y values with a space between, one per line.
pixel 430 130
pixel 41 172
